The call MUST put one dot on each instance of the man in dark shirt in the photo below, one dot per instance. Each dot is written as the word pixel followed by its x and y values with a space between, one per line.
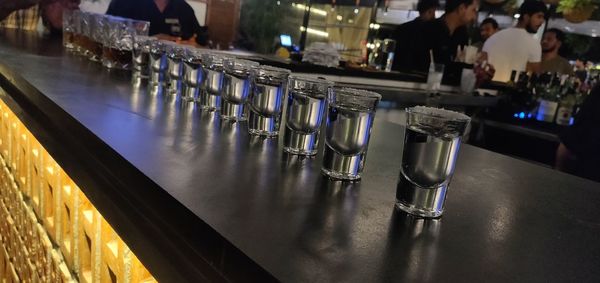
pixel 449 31
pixel 443 35
pixel 171 19
pixel 405 47
pixel 579 150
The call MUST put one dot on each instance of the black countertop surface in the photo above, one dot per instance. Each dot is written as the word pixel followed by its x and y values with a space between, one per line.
pixel 196 198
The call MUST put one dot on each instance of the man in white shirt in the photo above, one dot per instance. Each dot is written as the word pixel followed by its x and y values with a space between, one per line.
pixel 515 48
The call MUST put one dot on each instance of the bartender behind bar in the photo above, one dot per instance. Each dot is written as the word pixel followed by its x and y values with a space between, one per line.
pixel 404 59
pixel 169 19
pixel 442 36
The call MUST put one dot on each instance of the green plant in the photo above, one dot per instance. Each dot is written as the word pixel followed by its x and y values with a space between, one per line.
pixel 510 7
pixel 579 44
pixel 261 21
pixel 571 5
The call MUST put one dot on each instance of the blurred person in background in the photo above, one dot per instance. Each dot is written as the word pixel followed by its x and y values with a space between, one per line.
pixel 580 70
pixel 413 29
pixel 551 60
pixel 26 14
pixel 173 20
pixel 487 28
pixel 515 48
pixel 442 37
pixel 579 149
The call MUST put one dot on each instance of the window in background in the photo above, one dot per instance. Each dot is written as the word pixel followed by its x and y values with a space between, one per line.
pixel 262 22
pixel 345 27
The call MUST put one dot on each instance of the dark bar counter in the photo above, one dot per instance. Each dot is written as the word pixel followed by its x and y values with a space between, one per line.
pixel 198 199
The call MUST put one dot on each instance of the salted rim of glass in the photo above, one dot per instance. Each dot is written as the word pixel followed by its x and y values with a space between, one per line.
pixel 235 64
pixel 311 80
pixel 438 113
pixel 359 93
pixel 271 71
pixel 194 53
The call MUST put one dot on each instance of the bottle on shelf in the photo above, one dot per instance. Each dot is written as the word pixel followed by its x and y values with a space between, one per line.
pixel 548 98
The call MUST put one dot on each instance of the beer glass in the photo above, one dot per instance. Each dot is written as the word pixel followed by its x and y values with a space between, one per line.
pixel 236 88
pixel 68 29
pixel 269 87
pixel 76 18
pixel 431 144
pixel 347 133
pixel 85 33
pixel 117 45
pixel 306 106
pixel 97 28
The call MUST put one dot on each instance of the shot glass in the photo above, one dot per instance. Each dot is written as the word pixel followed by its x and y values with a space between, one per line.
pixel 434 77
pixel 175 54
pixel 68 29
pixel 307 102
pixel 348 130
pixel 193 74
pixel 269 87
pixel 236 88
pixel 431 144
pixel 141 55
pixel 212 86
pixel 158 62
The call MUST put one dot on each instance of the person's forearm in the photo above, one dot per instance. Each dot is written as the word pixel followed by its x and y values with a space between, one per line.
pixel 564 158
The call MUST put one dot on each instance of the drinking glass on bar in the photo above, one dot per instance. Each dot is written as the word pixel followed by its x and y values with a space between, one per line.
pixel 193 74
pixel 348 130
pixel 175 54
pixel 98 24
pixel 85 33
pixel 76 17
pixel 434 77
pixel 158 62
pixel 236 88
pixel 68 29
pixel 210 95
pixel 307 102
pixel 141 55
pixel 118 43
pixel 431 144
pixel 138 27
pixel 269 86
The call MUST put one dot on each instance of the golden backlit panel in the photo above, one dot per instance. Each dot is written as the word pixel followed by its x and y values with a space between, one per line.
pixel 50 231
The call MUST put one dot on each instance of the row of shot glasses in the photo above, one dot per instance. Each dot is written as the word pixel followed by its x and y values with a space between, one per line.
pixel 243 90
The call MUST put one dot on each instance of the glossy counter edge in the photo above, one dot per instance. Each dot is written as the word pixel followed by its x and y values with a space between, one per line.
pixel 172 242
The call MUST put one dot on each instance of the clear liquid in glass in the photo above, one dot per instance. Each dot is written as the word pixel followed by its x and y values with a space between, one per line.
pixel 427 166
pixel 265 109
pixel 210 97
pixel 304 117
pixel 235 93
pixel 347 137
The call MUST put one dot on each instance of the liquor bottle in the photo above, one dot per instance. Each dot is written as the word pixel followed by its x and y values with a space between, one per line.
pixel 567 102
pixel 548 100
